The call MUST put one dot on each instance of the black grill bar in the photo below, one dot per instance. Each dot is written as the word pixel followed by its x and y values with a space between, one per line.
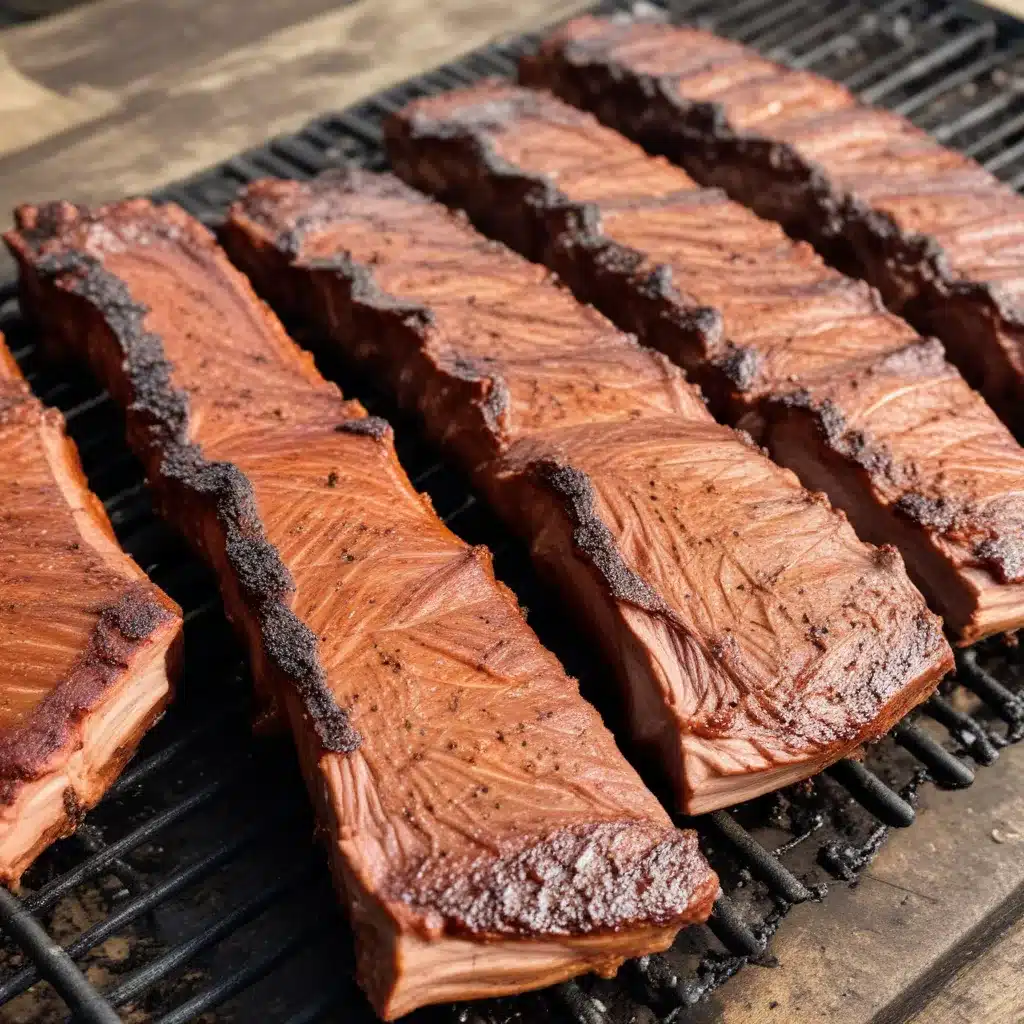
pixel 762 863
pixel 965 730
pixel 919 67
pixel 873 794
pixel 578 1003
pixel 802 57
pixel 53 963
pixel 257 968
pixel 732 931
pixel 943 766
pixel 754 29
pixel 1004 130
pixel 932 60
pixel 970 74
pixel 50 894
pixel 151 898
pixel 215 930
pixel 1007 704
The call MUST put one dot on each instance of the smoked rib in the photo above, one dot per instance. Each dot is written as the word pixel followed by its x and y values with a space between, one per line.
pixel 755 638
pixel 484 830
pixel 808 360
pixel 89 648
pixel 939 236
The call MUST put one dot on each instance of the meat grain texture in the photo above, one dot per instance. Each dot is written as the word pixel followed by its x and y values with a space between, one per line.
pixel 484 830
pixel 755 638
pixel 89 648
pixel 809 361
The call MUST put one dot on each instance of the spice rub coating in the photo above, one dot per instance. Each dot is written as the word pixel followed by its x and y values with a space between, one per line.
pixel 938 235
pixel 88 646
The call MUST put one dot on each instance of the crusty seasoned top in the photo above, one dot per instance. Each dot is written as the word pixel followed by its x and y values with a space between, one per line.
pixel 529 364
pixel 780 323
pixel 143 268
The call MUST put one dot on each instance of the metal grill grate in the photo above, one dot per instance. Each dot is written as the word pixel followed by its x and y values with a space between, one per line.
pixel 193 891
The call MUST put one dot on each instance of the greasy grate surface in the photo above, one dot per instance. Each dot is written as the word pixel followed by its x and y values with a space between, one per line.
pixel 194 891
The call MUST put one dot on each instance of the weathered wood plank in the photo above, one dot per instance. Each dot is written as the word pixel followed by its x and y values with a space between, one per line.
pixel 990 990
pixel 177 121
pixel 148 39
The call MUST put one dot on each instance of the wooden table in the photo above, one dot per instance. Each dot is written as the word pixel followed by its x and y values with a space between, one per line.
pixel 119 96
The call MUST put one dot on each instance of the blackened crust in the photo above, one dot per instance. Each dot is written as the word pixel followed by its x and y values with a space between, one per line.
pixel 123 630
pixel 366 426
pixel 158 421
pixel 580 880
pixel 592 538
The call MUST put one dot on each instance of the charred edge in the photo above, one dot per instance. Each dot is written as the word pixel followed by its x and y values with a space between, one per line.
pixel 366 426
pixel 364 292
pixel 593 539
pixel 854 446
pixel 997 553
pixel 579 880
pixel 163 412
pixel 932 513
pixel 121 631
pixel 741 366
pixel 1004 558
pixel 650 109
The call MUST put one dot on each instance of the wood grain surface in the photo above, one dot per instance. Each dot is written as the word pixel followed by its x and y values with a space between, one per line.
pixel 119 96
pixel 987 989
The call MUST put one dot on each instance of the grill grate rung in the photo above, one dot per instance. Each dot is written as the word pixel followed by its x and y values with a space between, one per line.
pixel 869 790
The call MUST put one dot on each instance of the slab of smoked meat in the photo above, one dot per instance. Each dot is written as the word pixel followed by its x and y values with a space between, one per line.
pixel 807 360
pixel 88 646
pixel 486 833
pixel 938 235
pixel 755 638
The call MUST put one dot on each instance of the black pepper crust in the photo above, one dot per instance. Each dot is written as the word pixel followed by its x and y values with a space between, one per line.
pixel 911 269
pixel 123 629
pixel 366 426
pixel 592 538
pixel 991 545
pixel 579 880
pixel 158 418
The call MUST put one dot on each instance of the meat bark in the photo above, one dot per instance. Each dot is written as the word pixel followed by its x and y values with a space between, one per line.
pixel 806 359
pixel 755 638
pixel 485 832
pixel 89 648
pixel 938 235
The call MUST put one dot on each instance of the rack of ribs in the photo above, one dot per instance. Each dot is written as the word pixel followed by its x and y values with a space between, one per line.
pixel 809 361
pixel 937 234
pixel 485 832
pixel 755 638
pixel 89 648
